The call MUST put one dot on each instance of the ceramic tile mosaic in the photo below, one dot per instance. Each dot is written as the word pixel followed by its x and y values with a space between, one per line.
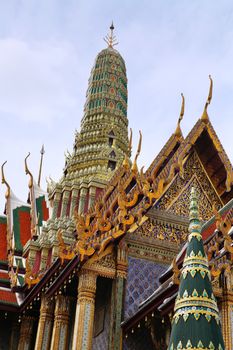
pixel 141 282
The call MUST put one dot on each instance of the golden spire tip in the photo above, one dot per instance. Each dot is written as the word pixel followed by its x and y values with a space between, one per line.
pixel 110 38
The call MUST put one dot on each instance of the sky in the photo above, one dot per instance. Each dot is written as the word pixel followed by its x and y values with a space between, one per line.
pixel 48 47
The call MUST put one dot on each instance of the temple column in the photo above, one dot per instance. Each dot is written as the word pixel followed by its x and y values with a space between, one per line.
pixel 226 307
pixel 56 202
pixel 65 202
pixel 84 318
pixel 61 322
pixel 74 199
pixel 82 200
pixel 45 325
pixel 25 336
pixel 118 296
pixel 92 194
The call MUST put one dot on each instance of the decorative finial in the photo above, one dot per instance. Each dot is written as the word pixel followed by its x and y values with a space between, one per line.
pixel 178 129
pixel 8 191
pixel 27 171
pixel 42 152
pixel 205 116
pixel 110 39
pixel 134 166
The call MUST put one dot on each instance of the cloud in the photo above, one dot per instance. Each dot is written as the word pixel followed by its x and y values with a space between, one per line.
pixel 36 79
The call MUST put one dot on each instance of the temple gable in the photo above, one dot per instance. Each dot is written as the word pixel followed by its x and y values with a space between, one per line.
pixel 175 199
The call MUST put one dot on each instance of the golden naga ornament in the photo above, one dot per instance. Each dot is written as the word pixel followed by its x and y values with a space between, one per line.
pixel 65 252
pixel 30 277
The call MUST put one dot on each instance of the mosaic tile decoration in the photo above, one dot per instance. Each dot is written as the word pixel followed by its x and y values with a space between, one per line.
pixel 141 282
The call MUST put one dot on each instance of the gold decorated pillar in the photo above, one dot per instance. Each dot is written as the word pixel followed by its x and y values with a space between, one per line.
pixel 65 202
pixel 84 318
pixel 118 296
pixel 92 194
pixel 74 200
pixel 45 325
pixel 226 308
pixel 61 322
pixel 26 330
pixel 82 200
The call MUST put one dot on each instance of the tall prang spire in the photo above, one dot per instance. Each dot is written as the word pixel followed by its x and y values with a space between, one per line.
pixel 102 143
pixel 196 321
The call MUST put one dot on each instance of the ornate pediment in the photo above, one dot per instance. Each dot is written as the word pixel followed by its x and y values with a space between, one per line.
pixel 176 198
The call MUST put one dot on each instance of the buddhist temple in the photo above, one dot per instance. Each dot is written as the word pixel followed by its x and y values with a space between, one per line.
pixel 113 257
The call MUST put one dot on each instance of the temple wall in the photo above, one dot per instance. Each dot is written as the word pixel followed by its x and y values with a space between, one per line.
pixel 142 280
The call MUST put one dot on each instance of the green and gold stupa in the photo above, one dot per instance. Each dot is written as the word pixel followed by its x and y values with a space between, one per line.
pixel 196 321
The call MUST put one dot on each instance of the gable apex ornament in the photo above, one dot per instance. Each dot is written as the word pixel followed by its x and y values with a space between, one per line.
pixel 178 131
pixel 205 116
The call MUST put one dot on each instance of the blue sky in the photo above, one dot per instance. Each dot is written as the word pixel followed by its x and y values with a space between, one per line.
pixel 48 47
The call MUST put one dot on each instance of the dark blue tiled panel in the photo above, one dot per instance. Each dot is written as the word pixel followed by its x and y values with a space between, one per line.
pixel 141 282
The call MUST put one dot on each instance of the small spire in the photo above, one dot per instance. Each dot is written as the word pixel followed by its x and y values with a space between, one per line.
pixel 110 38
pixel 178 131
pixel 195 306
pixel 42 152
pixel 205 116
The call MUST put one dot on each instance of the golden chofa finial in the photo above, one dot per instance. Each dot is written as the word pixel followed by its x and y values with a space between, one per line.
pixel 134 166
pixel 8 191
pixel 110 38
pixel 27 171
pixel 178 131
pixel 205 116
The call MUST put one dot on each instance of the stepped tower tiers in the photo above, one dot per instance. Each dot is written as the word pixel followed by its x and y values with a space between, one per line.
pixel 102 143
pixel 196 321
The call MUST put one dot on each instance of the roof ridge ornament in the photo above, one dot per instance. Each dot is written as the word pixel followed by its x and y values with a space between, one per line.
pixel 178 131
pixel 28 172
pixel 205 116
pixel 8 191
pixel 134 166
pixel 110 38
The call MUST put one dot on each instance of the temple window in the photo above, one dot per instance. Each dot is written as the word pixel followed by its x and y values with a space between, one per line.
pixel 111 138
pixel 111 164
pixel 112 154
